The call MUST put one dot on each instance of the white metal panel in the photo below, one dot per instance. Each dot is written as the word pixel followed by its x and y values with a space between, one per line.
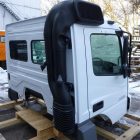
pixel 25 8
pixel 27 74
pixel 5 18
pixel 112 90
pixel 80 74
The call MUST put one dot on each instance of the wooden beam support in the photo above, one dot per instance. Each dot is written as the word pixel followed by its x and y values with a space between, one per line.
pixel 123 126
pixel 131 133
pixel 41 102
pixel 10 122
pixel 35 119
pixel 106 134
pixel 43 126
pixel 19 107
pixel 47 133
pixel 10 104
pixel 45 138
pixel 132 117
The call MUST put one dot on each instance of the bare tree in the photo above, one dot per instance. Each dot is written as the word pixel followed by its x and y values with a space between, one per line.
pixel 126 13
pixel 117 10
pixel 135 5
pixel 47 5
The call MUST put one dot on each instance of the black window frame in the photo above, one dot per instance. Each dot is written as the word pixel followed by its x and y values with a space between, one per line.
pixel 121 49
pixel 14 58
pixel 32 51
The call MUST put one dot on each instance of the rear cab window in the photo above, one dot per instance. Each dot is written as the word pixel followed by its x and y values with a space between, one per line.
pixel 18 50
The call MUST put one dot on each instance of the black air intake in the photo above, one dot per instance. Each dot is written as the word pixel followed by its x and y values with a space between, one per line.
pixel 56 34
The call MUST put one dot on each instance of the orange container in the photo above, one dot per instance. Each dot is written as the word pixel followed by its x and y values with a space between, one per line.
pixel 2 46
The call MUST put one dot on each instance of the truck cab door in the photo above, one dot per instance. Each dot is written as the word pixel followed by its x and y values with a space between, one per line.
pixel 107 88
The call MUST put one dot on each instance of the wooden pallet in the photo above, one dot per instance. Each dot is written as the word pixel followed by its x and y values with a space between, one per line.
pixel 42 125
pixel 10 104
pixel 45 130
pixel 129 134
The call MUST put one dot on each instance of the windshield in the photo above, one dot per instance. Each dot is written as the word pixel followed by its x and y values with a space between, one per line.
pixel 106 54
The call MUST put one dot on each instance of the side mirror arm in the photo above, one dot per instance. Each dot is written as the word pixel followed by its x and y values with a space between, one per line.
pixel 129 60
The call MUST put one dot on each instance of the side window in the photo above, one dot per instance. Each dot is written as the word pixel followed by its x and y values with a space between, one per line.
pixel 38 51
pixel 106 54
pixel 18 50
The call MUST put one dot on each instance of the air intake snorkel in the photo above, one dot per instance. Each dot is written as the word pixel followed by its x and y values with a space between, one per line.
pixel 57 28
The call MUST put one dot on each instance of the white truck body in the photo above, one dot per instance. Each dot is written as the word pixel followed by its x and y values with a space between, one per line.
pixel 89 88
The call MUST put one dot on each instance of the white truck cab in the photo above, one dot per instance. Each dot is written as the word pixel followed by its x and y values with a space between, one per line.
pixel 75 61
pixel 106 90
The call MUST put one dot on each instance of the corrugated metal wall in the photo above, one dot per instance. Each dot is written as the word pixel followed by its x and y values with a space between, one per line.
pixel 25 8
pixel 5 18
